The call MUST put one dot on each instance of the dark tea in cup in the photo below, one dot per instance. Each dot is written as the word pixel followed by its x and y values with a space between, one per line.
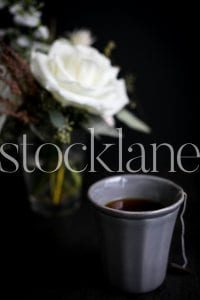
pixel 135 204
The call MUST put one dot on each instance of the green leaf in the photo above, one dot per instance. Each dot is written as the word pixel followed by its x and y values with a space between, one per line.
pixel 57 118
pixel 132 121
pixel 2 121
pixel 37 132
pixel 100 127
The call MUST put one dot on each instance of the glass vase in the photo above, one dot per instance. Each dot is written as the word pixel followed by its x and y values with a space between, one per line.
pixel 53 189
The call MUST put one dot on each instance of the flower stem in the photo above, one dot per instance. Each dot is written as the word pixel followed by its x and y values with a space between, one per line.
pixel 57 185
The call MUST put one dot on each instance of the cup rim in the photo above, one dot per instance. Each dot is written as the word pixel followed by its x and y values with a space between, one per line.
pixel 137 214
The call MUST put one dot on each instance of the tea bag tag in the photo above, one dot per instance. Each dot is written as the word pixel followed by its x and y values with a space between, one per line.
pixel 185 260
pixel 183 252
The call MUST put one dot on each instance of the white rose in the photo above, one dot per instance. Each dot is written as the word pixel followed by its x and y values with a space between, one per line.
pixel 80 76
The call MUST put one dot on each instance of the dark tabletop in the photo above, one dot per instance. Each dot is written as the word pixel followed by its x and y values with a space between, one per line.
pixel 58 258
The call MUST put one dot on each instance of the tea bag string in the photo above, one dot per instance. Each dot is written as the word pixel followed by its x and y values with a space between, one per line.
pixel 185 260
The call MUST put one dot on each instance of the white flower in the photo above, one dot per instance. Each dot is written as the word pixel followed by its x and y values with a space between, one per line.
pixel 15 8
pixel 81 37
pixel 23 41
pixel 42 33
pixel 29 18
pixel 80 76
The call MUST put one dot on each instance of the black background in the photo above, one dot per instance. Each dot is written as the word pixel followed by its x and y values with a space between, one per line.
pixel 58 259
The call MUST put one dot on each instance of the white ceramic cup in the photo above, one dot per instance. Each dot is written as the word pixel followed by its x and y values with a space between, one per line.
pixel 135 245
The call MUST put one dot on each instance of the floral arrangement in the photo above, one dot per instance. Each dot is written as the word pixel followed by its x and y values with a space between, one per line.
pixel 54 86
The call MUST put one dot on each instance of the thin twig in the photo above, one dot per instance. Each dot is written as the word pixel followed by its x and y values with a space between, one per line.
pixel 14 87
